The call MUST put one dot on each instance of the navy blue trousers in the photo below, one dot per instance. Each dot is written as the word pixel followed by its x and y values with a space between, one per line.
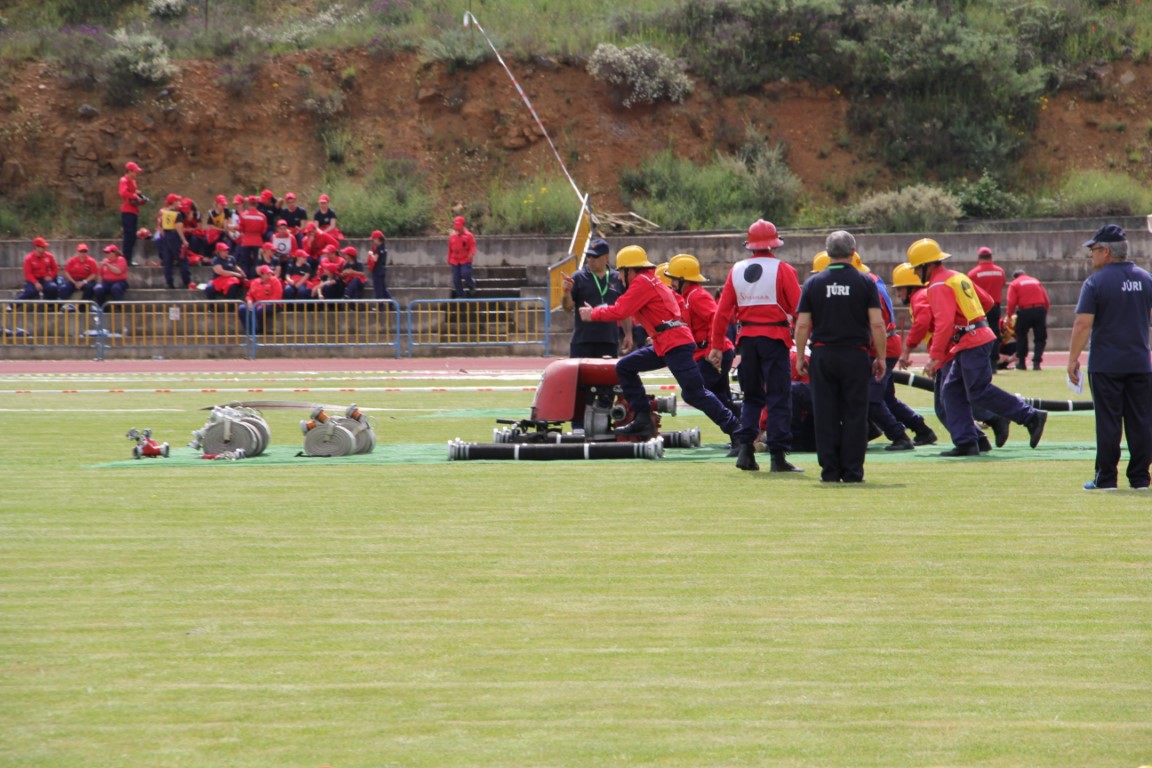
pixel 683 368
pixel 765 376
pixel 968 384
pixel 1122 404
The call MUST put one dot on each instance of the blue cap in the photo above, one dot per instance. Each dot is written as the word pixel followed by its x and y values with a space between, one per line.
pixel 1109 233
pixel 598 247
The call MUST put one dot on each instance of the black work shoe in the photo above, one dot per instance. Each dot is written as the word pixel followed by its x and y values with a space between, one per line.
pixel 925 436
pixel 733 450
pixel 1036 366
pixel 983 443
pixel 962 450
pixel 1036 428
pixel 746 458
pixel 903 444
pixel 781 464
pixel 999 427
pixel 640 426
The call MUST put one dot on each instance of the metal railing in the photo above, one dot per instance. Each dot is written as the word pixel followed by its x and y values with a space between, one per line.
pixel 158 328
pixel 65 325
pixel 367 324
pixel 478 322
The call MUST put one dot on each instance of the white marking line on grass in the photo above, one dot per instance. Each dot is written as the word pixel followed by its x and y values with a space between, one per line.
pixel 105 378
pixel 261 390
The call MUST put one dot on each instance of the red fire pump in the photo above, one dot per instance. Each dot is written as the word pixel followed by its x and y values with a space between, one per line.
pixel 588 388
pixel 145 445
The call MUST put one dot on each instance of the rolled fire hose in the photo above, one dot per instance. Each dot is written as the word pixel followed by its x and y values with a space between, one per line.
pixel 458 450
pixel 923 382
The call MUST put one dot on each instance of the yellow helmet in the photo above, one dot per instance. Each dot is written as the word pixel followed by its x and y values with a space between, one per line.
pixel 662 274
pixel 686 267
pixel 632 256
pixel 925 251
pixel 860 265
pixel 904 276
pixel 821 262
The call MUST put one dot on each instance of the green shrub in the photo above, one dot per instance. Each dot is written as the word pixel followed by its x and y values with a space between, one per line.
pixel 136 60
pixel 79 56
pixel 1102 193
pixel 640 74
pixel 456 49
pixel 918 208
pixel 984 199
pixel 394 198
pixel 729 192
pixel 543 206
pixel 168 10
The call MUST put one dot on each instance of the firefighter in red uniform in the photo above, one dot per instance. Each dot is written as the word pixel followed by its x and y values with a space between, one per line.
pixel 81 272
pixel 653 304
pixel 113 283
pixel 1028 301
pixel 265 288
pixel 331 286
pixel 761 293
pixel 961 339
pixel 253 225
pixel 131 198
pixel 40 273
pixel 698 308
pixel 991 279
pixel 461 253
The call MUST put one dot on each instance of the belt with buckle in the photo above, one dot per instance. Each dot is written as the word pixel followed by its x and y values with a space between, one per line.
pixel 669 324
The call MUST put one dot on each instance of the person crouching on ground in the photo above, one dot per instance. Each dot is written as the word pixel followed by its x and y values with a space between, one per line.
pixel 654 305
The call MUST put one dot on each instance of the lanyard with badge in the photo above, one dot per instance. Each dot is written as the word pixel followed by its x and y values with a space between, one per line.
pixel 603 289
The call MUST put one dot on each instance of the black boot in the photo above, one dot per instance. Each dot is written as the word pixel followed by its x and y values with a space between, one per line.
pixel 924 435
pixel 640 426
pixel 746 458
pixel 999 426
pixel 780 463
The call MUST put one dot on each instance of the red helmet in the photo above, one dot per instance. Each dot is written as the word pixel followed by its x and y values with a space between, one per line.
pixel 762 236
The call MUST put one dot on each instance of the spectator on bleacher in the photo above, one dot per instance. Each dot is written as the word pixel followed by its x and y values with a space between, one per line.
pixel 227 277
pixel 113 283
pixel 316 242
pixel 216 224
pixel 267 206
pixel 292 213
pixel 253 225
pixel 131 198
pixel 330 285
pixel 1028 302
pixel 461 253
pixel 81 273
pixel 194 233
pixel 265 288
pixel 173 241
pixel 282 241
pixel 268 258
pixel 325 219
pixel 378 266
pixel 299 276
pixel 40 273
pixel 354 274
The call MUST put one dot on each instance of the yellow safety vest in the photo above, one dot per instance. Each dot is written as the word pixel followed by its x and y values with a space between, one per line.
pixel 966 299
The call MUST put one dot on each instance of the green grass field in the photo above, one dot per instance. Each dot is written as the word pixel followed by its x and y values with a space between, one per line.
pixel 971 612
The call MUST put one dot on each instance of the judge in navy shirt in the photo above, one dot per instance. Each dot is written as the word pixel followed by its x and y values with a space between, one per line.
pixel 1113 313
pixel 594 284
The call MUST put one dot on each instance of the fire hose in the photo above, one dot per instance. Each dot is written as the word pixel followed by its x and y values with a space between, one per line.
pixel 686 438
pixel 923 382
pixel 458 450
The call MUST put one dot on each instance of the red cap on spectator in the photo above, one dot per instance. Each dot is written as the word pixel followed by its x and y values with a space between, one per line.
pixel 300 253
pixel 112 249
pixel 132 167
pixel 984 251
pixel 458 222
pixel 290 196
pixel 310 226
pixel 322 199
pixel 221 246
pixel 253 199
pixel 39 243
pixel 82 247
pixel 281 223
pixel 172 198
pixel 267 247
pixel 186 203
pixel 238 200
pixel 221 199
pixel 348 251
pixel 267 195
pixel 328 249
pixel 263 269
pixel 377 235
pixel 143 233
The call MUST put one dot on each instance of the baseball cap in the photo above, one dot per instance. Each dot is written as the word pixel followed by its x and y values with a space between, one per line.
pixel 984 251
pixel 1109 233
pixel 290 196
pixel 281 223
pixel 82 247
pixel 238 200
pixel 299 253
pixel 328 249
pixel 310 226
pixel 172 198
pixel 376 235
pixel 267 247
pixel 221 246
pixel 263 269
pixel 348 251
pixel 112 249
pixel 458 222
pixel 266 195
pixel 221 199
pixel 253 199
pixel 39 243
pixel 322 199
pixel 598 247
pixel 132 167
